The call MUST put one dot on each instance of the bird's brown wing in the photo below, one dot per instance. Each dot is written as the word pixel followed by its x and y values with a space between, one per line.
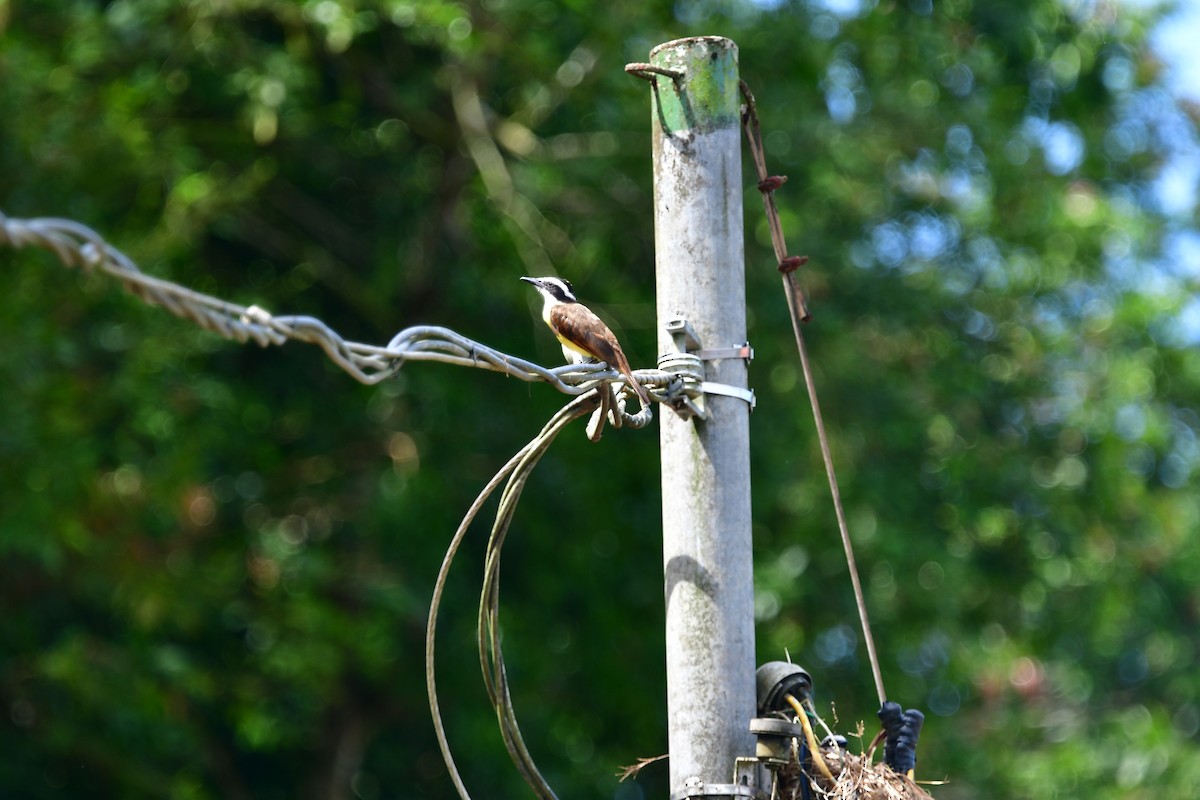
pixel 580 328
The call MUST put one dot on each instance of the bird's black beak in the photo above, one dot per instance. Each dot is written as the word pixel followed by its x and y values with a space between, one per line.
pixel 534 281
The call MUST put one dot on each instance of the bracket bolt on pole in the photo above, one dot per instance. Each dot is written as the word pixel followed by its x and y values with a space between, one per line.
pixel 688 368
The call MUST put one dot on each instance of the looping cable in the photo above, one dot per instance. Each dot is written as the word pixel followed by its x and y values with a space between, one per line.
pixel 514 475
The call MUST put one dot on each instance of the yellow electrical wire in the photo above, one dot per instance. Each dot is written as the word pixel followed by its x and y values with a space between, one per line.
pixel 810 737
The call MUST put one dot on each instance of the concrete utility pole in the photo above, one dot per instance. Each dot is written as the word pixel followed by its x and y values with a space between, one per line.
pixel 705 462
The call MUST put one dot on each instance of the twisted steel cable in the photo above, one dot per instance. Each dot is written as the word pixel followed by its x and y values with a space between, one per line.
pixel 77 245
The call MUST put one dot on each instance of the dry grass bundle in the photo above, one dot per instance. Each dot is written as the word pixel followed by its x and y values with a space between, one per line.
pixel 854 778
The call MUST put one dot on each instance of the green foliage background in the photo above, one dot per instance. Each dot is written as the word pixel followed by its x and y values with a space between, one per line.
pixel 215 560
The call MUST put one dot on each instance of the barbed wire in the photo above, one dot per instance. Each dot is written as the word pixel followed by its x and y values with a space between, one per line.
pixel 798 310
pixel 77 245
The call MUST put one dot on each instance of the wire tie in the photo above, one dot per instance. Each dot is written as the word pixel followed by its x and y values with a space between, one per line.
pixel 92 255
pixel 792 263
pixel 771 183
pixel 256 314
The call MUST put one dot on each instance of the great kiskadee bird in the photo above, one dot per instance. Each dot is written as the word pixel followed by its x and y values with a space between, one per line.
pixel 583 335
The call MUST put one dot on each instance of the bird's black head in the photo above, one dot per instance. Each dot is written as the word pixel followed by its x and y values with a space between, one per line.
pixel 556 288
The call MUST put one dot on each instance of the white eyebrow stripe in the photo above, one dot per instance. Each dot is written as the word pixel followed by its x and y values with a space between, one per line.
pixel 562 286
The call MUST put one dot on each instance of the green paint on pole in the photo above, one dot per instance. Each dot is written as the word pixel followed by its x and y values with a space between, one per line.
pixel 706 96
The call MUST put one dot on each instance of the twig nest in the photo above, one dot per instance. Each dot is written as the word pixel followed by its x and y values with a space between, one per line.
pixel 855 777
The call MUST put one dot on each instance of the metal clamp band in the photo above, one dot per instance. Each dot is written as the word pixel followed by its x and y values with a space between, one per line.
pixel 687 362
pixel 699 789
pixel 743 351
pixel 708 387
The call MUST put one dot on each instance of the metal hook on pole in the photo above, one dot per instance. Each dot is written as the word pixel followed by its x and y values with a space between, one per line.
pixel 650 72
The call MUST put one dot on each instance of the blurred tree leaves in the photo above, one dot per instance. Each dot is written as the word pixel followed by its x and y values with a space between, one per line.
pixel 217 559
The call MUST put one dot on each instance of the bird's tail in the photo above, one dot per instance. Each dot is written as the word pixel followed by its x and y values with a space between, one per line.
pixel 639 389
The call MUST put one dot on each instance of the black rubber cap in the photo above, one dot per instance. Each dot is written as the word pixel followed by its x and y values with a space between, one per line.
pixel 776 680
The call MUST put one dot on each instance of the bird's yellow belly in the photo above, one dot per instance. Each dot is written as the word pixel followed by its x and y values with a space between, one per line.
pixel 572 351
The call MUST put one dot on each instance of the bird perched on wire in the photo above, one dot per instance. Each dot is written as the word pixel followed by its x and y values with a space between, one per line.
pixel 583 335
